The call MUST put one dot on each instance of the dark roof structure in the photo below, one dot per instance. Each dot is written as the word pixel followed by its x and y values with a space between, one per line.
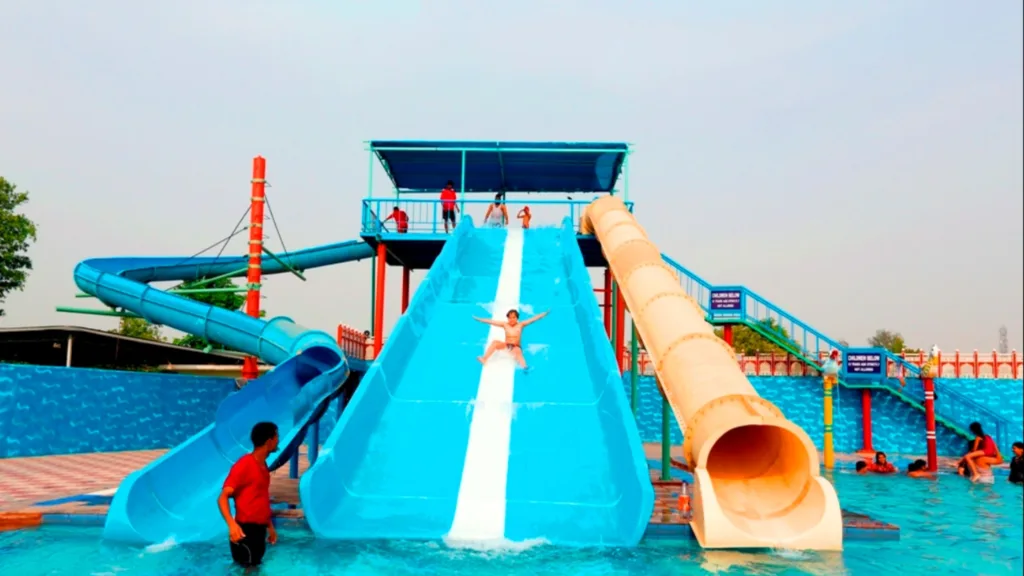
pixel 48 346
pixel 425 166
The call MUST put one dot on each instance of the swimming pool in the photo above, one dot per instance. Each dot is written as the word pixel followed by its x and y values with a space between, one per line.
pixel 948 527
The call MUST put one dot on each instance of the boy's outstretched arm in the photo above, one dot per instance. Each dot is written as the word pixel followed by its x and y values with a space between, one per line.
pixel 488 321
pixel 529 321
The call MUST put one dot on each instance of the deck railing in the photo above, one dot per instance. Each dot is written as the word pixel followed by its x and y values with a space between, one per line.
pixel 425 216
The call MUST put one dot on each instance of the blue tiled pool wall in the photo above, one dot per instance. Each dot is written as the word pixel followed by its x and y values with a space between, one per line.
pixel 896 427
pixel 1003 396
pixel 55 410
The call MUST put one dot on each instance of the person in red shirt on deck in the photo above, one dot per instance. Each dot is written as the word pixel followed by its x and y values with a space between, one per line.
pixel 401 220
pixel 249 484
pixel 448 205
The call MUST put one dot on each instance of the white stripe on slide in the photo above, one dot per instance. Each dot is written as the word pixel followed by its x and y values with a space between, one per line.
pixel 480 508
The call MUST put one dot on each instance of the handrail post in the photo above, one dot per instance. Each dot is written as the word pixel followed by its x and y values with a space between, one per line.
pixel 634 377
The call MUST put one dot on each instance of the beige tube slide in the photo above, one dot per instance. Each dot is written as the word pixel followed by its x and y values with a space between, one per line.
pixel 756 474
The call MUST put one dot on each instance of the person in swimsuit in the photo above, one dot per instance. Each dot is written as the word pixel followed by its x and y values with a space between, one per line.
pixel 248 483
pixel 524 215
pixel 497 213
pixel 513 336
pixel 919 469
pixel 881 465
pixel 983 453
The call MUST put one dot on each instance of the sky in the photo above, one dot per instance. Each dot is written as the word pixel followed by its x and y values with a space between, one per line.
pixel 857 163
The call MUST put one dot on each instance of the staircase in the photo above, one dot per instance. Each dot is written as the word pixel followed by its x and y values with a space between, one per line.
pixel 955 411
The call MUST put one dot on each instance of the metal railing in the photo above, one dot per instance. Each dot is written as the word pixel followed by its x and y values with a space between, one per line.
pixel 737 304
pixel 425 216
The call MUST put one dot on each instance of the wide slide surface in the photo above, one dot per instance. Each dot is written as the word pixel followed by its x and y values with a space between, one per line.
pixel 756 475
pixel 434 445
pixel 174 497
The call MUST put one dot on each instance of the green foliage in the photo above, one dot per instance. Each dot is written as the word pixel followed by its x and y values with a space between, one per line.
pixel 226 300
pixel 891 341
pixel 16 233
pixel 138 328
pixel 749 342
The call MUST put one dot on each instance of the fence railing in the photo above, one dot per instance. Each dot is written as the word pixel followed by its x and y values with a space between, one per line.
pixel 737 304
pixel 426 216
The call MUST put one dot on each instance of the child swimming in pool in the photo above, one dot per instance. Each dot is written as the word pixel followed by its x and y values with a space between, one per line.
pixel 513 336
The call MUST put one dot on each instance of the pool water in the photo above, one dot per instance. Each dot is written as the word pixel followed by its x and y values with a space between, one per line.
pixel 948 526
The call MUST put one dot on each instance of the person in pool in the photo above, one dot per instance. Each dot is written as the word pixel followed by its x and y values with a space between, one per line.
pixel 248 483
pixel 1017 463
pixel 919 469
pixel 982 455
pixel 881 465
pixel 513 336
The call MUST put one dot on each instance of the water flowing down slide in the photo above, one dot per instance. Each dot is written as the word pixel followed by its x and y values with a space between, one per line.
pixel 174 497
pixel 756 474
pixel 435 445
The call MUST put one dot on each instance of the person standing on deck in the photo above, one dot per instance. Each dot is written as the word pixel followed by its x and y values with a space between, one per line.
pixel 448 205
pixel 497 213
pixel 401 220
pixel 248 483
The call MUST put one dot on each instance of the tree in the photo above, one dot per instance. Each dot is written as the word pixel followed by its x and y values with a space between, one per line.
pixel 1004 341
pixel 16 233
pixel 749 342
pixel 891 341
pixel 138 328
pixel 227 300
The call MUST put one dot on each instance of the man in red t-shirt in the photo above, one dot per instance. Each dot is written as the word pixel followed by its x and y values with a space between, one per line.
pixel 401 220
pixel 448 206
pixel 249 484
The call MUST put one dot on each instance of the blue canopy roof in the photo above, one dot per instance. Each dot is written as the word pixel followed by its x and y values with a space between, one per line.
pixel 425 166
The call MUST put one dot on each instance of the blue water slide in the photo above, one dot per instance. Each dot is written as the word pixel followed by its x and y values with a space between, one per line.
pixel 174 497
pixel 401 461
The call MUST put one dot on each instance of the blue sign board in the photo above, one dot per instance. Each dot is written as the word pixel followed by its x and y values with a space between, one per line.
pixel 726 300
pixel 864 362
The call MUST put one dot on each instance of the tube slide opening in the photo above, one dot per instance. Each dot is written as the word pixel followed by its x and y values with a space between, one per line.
pixel 762 474
pixel 314 361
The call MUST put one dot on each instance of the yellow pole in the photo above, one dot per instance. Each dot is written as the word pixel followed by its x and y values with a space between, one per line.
pixel 829 452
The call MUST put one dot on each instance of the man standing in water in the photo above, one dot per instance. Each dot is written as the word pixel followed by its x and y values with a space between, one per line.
pixel 249 484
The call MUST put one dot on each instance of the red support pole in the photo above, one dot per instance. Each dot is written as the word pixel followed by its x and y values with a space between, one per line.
pixel 865 410
pixel 378 311
pixel 620 329
pixel 727 334
pixel 405 288
pixel 929 422
pixel 250 366
pixel 608 302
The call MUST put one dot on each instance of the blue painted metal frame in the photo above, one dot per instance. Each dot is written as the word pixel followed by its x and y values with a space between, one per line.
pixel 955 410
pixel 425 214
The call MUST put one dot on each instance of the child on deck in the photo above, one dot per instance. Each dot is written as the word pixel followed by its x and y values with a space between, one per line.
pixel 524 215
pixel 513 336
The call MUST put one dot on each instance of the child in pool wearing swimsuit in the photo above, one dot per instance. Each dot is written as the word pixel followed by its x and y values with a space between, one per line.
pixel 513 336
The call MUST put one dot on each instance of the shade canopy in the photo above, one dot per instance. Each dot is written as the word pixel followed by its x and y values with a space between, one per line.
pixel 426 166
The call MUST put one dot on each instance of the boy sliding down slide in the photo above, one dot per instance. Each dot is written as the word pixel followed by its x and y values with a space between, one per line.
pixel 513 336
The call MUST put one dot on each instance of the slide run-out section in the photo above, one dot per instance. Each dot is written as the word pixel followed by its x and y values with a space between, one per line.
pixel 174 497
pixel 435 445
